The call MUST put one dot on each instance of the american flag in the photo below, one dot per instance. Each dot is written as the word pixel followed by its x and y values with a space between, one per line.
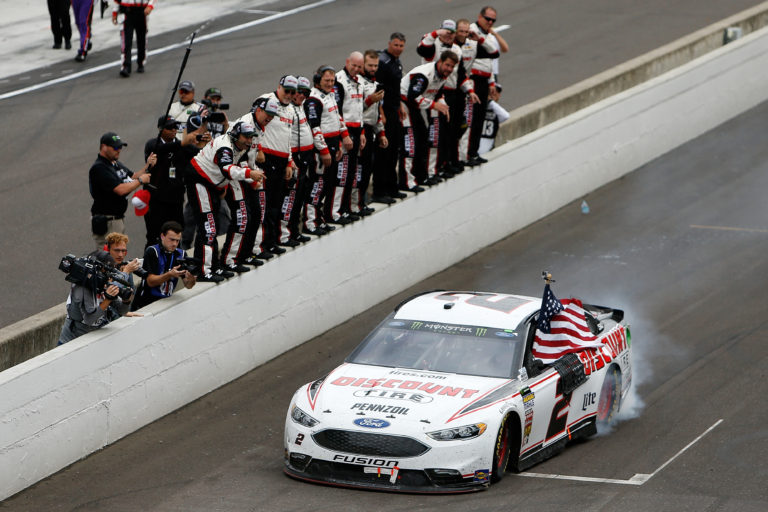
pixel 561 329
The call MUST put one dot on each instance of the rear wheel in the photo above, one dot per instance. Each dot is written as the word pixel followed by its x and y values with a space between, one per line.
pixel 610 394
pixel 501 451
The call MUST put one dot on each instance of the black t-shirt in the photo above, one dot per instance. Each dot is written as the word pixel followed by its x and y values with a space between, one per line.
pixel 103 177
pixel 389 74
pixel 146 294
pixel 168 172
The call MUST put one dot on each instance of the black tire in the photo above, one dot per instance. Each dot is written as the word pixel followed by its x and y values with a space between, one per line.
pixel 610 397
pixel 501 451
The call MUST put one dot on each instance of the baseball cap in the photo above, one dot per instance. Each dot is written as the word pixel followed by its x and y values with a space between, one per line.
pixel 289 82
pixel 304 83
pixel 498 87
pixel 140 201
pixel 268 105
pixel 213 91
pixel 449 25
pixel 112 140
pixel 187 85
pixel 167 122
pixel 193 123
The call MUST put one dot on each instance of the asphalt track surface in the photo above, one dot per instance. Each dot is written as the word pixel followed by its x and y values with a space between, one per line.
pixel 679 244
pixel 50 136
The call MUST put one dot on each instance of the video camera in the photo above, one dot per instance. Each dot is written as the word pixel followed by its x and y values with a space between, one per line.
pixel 93 274
pixel 214 115
pixel 191 265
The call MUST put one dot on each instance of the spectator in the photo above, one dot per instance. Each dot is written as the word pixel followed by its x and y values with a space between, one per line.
pixel 278 162
pixel 349 98
pixel 262 112
pixel 60 24
pixel 443 139
pixel 473 46
pixel 389 74
pixel 218 123
pixel 186 107
pixel 135 14
pixel 373 127
pixel 494 116
pixel 162 262
pixel 482 76
pixel 167 195
pixel 83 10
pixel 220 167
pixel 303 150
pixel 323 117
pixel 110 182
pixel 90 308
pixel 419 89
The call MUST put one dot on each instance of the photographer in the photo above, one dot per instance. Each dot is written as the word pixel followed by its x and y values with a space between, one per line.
pixel 218 123
pixel 96 301
pixel 164 264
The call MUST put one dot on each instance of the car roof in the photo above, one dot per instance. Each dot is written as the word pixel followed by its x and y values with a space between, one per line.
pixel 486 309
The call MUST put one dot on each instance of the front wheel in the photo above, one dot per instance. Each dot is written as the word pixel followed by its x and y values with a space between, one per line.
pixel 610 394
pixel 501 452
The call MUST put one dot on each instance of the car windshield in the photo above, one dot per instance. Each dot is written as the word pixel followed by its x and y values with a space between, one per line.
pixel 462 349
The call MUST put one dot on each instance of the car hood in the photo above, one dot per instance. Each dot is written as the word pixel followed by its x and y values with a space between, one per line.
pixel 366 396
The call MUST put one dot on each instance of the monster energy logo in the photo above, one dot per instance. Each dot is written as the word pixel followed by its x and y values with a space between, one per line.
pixel 480 331
pixel 416 325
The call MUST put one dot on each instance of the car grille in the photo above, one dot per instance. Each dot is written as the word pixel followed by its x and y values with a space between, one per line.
pixel 366 443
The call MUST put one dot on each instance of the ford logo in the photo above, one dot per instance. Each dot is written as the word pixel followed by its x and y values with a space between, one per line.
pixel 505 334
pixel 396 324
pixel 371 423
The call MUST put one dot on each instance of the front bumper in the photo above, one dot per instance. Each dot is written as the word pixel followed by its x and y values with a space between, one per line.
pixel 382 479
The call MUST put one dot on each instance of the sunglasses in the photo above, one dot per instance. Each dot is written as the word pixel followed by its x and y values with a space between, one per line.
pixel 289 91
pixel 489 19
pixel 305 92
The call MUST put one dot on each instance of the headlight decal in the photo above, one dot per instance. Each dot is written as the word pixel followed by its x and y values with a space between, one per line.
pixel 302 418
pixel 459 433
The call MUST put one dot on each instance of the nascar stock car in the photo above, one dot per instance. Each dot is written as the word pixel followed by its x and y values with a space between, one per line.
pixel 453 389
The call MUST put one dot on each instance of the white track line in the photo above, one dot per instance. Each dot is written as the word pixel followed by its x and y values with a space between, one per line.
pixel 728 228
pixel 638 479
pixel 165 49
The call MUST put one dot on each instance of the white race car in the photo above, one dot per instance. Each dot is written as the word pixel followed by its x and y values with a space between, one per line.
pixel 445 395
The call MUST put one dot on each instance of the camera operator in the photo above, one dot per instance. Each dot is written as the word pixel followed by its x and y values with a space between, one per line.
pixel 164 264
pixel 218 123
pixel 92 305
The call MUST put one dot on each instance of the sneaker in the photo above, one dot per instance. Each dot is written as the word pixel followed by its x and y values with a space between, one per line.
pixel 80 57
pixel 416 189
pixel 315 232
pixel 432 181
pixel 210 278
pixel 226 274
pixel 301 238
pixel 400 195
pixel 276 249
pixel 341 221
pixel 290 243
pixel 237 268
pixel 327 228
pixel 353 216
pixel 140 69
pixel 265 255
pixel 383 199
pixel 367 210
pixel 252 260
pixel 125 72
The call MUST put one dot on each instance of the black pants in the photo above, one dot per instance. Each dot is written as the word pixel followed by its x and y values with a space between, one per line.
pixel 293 204
pixel 385 159
pixel 158 214
pixel 365 165
pixel 135 21
pixel 60 24
pixel 478 113
pixel 275 189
